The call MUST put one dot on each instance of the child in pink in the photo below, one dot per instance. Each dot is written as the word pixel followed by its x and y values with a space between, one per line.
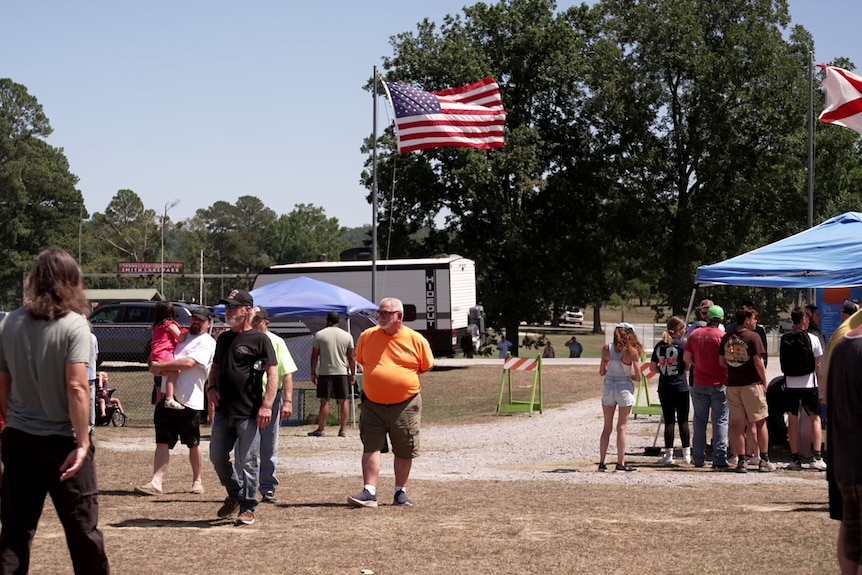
pixel 166 334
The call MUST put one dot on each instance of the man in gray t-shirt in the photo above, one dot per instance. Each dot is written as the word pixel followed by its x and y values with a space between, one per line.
pixel 45 347
pixel 333 369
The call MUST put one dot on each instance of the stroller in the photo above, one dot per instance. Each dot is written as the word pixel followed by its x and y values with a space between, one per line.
pixel 113 414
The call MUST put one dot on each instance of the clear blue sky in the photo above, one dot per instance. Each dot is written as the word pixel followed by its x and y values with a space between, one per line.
pixel 204 100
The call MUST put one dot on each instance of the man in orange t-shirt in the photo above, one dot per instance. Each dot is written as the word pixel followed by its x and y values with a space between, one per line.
pixel 392 357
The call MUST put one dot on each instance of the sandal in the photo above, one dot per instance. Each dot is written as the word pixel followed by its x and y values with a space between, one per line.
pixel 316 433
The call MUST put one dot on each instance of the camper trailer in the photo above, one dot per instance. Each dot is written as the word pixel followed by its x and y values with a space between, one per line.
pixel 438 293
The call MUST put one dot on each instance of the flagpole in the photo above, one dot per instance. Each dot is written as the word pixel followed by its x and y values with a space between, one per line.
pixel 810 139
pixel 374 191
pixel 811 293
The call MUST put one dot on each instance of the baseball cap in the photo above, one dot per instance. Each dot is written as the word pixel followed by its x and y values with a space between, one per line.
pixel 261 313
pixel 203 313
pixel 715 312
pixel 238 297
pixel 333 317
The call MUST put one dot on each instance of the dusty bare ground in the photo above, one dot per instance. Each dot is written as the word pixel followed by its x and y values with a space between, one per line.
pixel 526 500
pixel 460 527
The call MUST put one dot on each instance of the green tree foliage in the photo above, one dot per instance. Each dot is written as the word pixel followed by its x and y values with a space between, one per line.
pixel 644 138
pixel 235 234
pixel 304 235
pixel 39 204
pixel 497 207
pixel 703 111
pixel 127 230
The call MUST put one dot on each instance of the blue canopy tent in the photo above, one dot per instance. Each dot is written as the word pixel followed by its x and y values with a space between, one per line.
pixel 826 256
pixel 304 296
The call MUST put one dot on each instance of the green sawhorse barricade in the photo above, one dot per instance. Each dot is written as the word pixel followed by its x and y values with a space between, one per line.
pixel 511 364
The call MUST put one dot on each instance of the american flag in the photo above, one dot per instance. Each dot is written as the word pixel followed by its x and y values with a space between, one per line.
pixel 843 98
pixel 470 116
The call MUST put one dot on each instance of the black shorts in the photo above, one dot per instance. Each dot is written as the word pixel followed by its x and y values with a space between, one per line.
pixel 806 395
pixel 174 424
pixel 333 387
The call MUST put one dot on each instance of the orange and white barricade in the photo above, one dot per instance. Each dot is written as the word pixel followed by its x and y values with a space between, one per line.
pixel 536 401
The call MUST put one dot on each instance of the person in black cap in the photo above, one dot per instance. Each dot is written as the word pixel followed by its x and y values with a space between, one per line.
pixel 192 359
pixel 242 355
pixel 333 369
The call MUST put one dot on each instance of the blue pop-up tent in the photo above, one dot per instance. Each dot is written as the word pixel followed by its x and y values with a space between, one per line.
pixel 826 256
pixel 304 296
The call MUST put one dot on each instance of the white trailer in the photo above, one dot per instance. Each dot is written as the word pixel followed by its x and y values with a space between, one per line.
pixel 440 290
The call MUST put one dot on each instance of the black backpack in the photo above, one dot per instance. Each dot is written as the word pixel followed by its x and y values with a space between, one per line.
pixel 796 354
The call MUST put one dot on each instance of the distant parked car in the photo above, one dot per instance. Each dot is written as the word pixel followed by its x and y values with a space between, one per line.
pixel 124 330
pixel 785 325
pixel 574 315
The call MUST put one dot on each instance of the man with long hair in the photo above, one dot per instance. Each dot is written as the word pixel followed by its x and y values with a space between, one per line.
pixel 45 397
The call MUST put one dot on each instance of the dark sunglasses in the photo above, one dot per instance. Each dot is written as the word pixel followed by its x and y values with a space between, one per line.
pixel 233 305
pixel 384 313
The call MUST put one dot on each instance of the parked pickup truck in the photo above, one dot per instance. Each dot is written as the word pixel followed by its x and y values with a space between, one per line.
pixel 124 330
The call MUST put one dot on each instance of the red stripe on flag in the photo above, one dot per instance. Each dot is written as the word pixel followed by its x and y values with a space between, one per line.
pixel 843 111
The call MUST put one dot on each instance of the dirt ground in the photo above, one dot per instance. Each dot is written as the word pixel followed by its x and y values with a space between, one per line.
pixel 456 527
pixel 606 524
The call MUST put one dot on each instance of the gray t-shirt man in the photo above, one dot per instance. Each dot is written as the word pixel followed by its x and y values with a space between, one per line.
pixel 38 402
pixel 333 344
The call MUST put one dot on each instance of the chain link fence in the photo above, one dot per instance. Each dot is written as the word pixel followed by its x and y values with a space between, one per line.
pixel 134 384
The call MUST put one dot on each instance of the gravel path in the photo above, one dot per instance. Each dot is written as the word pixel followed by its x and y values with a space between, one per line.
pixel 558 445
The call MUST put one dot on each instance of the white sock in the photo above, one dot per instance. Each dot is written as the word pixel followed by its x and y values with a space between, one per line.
pixel 372 489
pixel 397 489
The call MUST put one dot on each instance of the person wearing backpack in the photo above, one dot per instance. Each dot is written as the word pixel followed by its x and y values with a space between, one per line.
pixel 800 352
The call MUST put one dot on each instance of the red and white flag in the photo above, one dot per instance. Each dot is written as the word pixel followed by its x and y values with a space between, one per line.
pixel 843 98
pixel 470 116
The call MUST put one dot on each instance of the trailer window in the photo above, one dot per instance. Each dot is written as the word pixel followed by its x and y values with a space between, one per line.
pixel 409 312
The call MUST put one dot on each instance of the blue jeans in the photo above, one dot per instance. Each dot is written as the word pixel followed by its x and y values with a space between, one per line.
pixel 269 447
pixel 241 435
pixel 705 399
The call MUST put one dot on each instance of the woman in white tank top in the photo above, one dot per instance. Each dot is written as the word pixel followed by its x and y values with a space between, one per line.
pixel 621 369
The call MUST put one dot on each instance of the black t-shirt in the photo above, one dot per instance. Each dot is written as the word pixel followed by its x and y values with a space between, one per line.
pixel 240 384
pixel 739 349
pixel 671 367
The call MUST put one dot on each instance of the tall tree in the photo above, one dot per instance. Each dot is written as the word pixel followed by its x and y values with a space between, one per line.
pixel 700 109
pixel 129 228
pixel 39 204
pixel 496 205
pixel 305 234
pixel 236 234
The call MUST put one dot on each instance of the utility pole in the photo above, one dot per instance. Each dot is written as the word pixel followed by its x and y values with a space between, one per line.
pixel 168 206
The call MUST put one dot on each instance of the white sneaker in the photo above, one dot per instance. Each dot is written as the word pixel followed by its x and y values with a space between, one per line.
pixel 731 461
pixel 666 457
pixel 817 464
pixel 754 461
pixel 686 454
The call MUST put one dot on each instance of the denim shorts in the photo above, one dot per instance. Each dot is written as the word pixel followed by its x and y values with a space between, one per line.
pixel 619 392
